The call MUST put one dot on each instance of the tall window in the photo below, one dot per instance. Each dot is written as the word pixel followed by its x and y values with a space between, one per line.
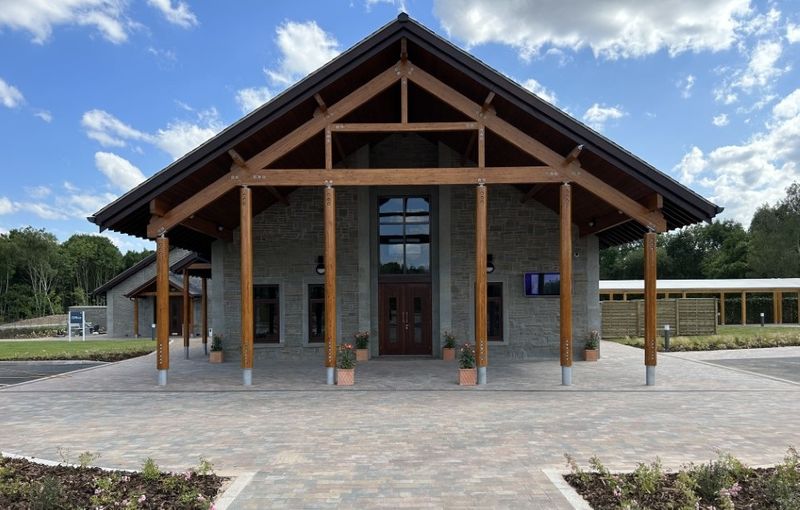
pixel 405 235
pixel 494 316
pixel 266 316
pixel 316 313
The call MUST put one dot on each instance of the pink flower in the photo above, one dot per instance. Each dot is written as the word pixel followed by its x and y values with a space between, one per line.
pixel 142 498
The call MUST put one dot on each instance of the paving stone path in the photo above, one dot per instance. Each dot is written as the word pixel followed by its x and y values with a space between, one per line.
pixel 405 435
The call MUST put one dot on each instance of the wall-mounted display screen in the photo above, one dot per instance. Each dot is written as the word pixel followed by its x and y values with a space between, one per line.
pixel 542 284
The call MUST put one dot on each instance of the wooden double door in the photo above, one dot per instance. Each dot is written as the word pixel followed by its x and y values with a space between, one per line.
pixel 404 324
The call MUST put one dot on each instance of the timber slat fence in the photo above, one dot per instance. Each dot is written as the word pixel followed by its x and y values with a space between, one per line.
pixel 686 317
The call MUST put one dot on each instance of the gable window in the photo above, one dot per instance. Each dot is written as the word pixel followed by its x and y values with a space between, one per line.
pixel 405 235
pixel 494 315
pixel 266 314
pixel 316 313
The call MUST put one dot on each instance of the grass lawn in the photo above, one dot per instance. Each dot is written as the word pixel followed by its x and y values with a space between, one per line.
pixel 727 337
pixel 96 350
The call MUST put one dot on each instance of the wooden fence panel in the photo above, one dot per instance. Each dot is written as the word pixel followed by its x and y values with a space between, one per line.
pixel 686 317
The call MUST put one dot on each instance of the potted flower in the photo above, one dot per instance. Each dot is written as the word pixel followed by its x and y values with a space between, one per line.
pixel 345 365
pixel 449 346
pixel 467 374
pixel 590 350
pixel 362 345
pixel 215 356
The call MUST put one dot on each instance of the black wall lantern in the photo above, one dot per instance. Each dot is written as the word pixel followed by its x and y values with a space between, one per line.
pixel 320 269
pixel 490 263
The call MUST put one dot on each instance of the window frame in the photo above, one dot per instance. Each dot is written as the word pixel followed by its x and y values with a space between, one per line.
pixel 274 338
pixel 315 340
pixel 405 275
pixel 497 299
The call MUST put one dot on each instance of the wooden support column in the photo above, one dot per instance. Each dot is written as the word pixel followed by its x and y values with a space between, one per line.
pixel 722 308
pixel 204 307
pixel 330 281
pixel 481 285
pixel 404 100
pixel 136 317
pixel 650 306
pixel 565 267
pixel 744 308
pixel 162 309
pixel 187 304
pixel 246 242
pixel 778 317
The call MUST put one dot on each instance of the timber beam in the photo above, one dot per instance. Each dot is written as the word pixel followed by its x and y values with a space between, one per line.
pixel 373 127
pixel 240 162
pixel 207 227
pixel 573 155
pixel 531 193
pixel 603 223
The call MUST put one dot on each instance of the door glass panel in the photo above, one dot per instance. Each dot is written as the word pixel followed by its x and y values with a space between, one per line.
pixel 391 258
pixel 390 210
pixel 418 258
pixel 404 235
pixel 392 320
pixel 417 320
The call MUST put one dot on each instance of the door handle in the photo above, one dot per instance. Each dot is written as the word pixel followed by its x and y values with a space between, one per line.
pixel 405 314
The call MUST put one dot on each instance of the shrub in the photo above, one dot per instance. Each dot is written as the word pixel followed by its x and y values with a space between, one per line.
pixel 449 340
pixel 783 487
pixel 714 480
pixel 216 344
pixel 466 356
pixel 346 357
pixel 46 494
pixel 86 458
pixel 593 340
pixel 150 470
pixel 362 340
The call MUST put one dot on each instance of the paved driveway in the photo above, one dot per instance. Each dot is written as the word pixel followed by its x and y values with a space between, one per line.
pixel 405 435
pixel 783 368
pixel 15 372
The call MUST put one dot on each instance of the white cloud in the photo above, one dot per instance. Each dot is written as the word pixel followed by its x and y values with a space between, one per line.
pixel 741 177
pixel 757 76
pixel 612 29
pixel 304 48
pixel 178 138
pixel 38 191
pixel 44 115
pixel 6 206
pixel 596 116
pixel 120 172
pixel 720 120
pixel 10 96
pixel 685 85
pixel 540 90
pixel 180 14
pixel 39 17
pixel 792 33
pixel 251 98
pixel 42 210
pixel 400 4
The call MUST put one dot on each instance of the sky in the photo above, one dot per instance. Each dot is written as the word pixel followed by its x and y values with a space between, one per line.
pixel 98 95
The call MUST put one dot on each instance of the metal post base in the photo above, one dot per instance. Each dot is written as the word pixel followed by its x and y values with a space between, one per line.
pixel 650 376
pixel 481 375
pixel 205 349
pixel 186 351
pixel 247 376
pixel 330 372
pixel 162 377
pixel 566 376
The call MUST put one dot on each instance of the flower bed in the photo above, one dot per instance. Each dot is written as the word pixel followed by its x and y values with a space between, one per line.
pixel 724 483
pixel 26 484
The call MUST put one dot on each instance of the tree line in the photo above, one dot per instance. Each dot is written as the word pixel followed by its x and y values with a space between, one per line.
pixel 40 276
pixel 769 248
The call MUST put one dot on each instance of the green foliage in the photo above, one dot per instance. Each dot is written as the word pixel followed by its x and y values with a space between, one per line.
pixel 593 340
pixel 449 340
pixel 783 487
pixel 346 357
pixel 150 470
pixel 98 350
pixel 46 494
pixel 466 356
pixel 216 343
pixel 713 480
pixel 728 337
pixel 205 467
pixel 85 459
pixel 362 339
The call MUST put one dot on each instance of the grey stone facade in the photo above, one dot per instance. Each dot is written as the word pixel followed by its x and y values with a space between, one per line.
pixel 522 237
pixel 119 309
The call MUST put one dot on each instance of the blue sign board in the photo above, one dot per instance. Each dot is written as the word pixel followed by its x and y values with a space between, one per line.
pixel 75 317
pixel 542 284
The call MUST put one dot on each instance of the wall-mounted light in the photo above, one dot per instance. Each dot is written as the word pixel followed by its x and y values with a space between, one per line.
pixel 320 269
pixel 490 263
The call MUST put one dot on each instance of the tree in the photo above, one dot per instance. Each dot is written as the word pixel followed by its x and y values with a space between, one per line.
pixel 39 260
pixel 131 258
pixel 90 261
pixel 775 238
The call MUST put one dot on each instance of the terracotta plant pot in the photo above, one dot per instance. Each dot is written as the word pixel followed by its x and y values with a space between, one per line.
pixel 345 376
pixel 215 357
pixel 362 354
pixel 590 354
pixel 467 376
pixel 448 353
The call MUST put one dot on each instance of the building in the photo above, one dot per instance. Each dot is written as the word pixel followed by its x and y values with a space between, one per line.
pixel 374 194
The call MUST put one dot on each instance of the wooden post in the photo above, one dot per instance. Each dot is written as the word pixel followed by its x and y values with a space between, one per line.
pixel 650 306
pixel 744 308
pixel 187 325
pixel 565 267
pixel 798 306
pixel 624 296
pixel 330 281
pixel 136 317
pixel 246 241
pixel 404 100
pixel 162 309
pixel 481 147
pixel 204 306
pixel 722 308
pixel 778 318
pixel 481 285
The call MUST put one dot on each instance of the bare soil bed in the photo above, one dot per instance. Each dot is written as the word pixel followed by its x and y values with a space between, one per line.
pixel 25 484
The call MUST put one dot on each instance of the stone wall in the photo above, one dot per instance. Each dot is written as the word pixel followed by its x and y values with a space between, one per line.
pixel 522 238
pixel 94 314
pixel 286 243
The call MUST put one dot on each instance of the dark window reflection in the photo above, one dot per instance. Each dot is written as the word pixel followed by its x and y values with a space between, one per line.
pixel 404 233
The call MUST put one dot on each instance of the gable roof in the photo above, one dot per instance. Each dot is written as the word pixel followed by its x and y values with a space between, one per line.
pixel 124 275
pixel 130 213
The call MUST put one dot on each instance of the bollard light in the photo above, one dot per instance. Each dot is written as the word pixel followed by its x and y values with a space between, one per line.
pixel 153 331
pixel 666 337
pixel 762 319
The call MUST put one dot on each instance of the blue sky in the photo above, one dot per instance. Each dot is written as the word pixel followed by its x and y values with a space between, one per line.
pixel 96 95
